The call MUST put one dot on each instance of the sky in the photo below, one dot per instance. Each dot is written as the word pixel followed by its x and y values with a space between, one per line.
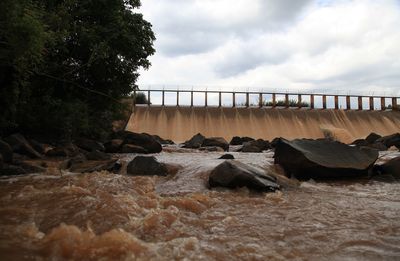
pixel 336 47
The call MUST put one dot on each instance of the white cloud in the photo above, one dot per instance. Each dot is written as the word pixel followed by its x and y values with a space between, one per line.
pixel 338 45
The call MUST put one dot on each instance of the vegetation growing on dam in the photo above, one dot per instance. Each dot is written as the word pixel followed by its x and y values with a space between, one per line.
pixel 65 64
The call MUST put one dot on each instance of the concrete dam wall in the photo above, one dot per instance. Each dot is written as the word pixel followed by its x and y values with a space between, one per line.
pixel 181 123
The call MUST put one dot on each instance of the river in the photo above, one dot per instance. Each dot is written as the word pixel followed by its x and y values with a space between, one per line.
pixel 67 216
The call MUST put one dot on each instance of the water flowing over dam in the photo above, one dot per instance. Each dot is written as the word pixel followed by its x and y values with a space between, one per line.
pixel 181 123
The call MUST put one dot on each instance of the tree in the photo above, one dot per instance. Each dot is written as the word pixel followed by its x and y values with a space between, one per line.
pixel 90 59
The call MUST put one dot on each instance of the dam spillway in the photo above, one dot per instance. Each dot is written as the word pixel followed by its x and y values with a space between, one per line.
pixel 181 123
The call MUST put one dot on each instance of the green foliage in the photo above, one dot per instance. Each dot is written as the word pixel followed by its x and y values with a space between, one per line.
pixel 292 103
pixel 141 98
pixel 70 61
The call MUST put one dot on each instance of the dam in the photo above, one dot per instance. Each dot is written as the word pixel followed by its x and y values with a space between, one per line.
pixel 309 119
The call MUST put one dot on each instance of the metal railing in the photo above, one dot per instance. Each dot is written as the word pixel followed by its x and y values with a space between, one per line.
pixel 299 101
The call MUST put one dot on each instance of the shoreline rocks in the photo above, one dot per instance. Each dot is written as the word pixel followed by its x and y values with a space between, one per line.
pixel 146 166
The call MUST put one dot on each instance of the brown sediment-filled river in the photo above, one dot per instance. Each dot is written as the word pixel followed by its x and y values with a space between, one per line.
pixel 108 216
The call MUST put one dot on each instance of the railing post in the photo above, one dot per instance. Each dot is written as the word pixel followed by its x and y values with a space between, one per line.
pixel 287 100
pixel 163 98
pixel 260 100
pixel 348 106
pixel 273 100
pixel 205 99
pixel 383 105
pixel 177 98
pixel 324 102
pixel 220 99
pixel 312 101
pixel 148 98
pixel 247 99
pixel 360 105
pixel 371 103
pixel 191 99
pixel 233 99
pixel 134 99
pixel 394 103
pixel 336 102
pixel 299 105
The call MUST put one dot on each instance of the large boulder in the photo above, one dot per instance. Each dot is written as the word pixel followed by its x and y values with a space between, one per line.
pixel 143 140
pixel 89 145
pixel 67 149
pixel 319 159
pixel 217 142
pixel 256 146
pixel 12 170
pixel 91 166
pixel 97 155
pixel 130 148
pixel 227 156
pixel 20 145
pixel 234 174
pixel 372 137
pixel 162 141
pixel 1 161
pixel 392 167
pixel 146 166
pixel 113 146
pixel 390 140
pixel 195 142
pixel 239 140
pixel 6 152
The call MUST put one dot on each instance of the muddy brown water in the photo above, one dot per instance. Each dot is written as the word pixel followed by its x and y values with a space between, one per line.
pixel 103 216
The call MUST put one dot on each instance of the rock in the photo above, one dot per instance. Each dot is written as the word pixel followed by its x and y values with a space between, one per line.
pixel 256 146
pixel 113 146
pixel 212 149
pixel 143 140
pixel 195 142
pixel 216 141
pixel 390 140
pixel 1 161
pixel 323 159
pixel 31 167
pixel 65 150
pixel 130 148
pixel 239 140
pixel 146 166
pixel 371 138
pixel 66 164
pixel 91 166
pixel 162 141
pixel 361 143
pixel 392 167
pixel 39 147
pixel 9 170
pixel 89 145
pixel 97 155
pixel 393 148
pixel 227 156
pixel 274 142
pixel 6 152
pixel 233 174
pixel 20 145
pixel 378 145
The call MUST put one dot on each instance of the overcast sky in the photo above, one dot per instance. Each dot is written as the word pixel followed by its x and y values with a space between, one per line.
pixel 334 46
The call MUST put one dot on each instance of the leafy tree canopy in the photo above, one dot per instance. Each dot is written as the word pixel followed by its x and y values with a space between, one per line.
pixel 65 64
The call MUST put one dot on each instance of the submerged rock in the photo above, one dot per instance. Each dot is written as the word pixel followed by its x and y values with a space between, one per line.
pixel 227 156
pixel 323 159
pixel 195 142
pixel 212 149
pixel 217 142
pixel 239 140
pixel 146 166
pixel 20 145
pixel 234 174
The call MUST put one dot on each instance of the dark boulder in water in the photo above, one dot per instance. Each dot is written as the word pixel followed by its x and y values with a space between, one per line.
pixel 372 137
pixel 217 142
pixel 390 140
pixel 143 140
pixel 97 155
pixel 89 145
pixel 195 142
pixel 130 148
pixel 146 166
pixel 20 145
pixel 113 146
pixel 234 174
pixel 162 141
pixel 239 140
pixel 6 152
pixel 12 170
pixel 392 167
pixel 64 150
pixel 227 156
pixel 319 159
pixel 256 146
